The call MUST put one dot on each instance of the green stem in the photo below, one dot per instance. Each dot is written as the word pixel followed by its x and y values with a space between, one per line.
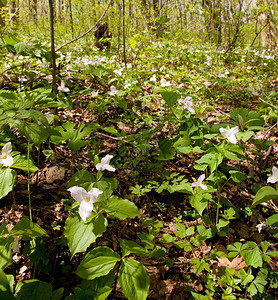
pixel 28 182
pixel 218 203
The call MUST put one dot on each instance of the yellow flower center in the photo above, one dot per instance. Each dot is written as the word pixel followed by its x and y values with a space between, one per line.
pixel 4 156
pixel 87 199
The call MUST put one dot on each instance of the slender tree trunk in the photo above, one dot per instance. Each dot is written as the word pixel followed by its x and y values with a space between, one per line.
pixel 2 22
pixel 53 54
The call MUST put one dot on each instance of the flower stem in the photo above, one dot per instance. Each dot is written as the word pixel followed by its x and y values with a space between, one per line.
pixel 28 176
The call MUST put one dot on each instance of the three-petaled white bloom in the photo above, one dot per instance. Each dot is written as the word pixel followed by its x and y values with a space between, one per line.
pixel 127 84
pixel 153 78
pixel 63 87
pixel 94 94
pixel 104 164
pixel 187 104
pixel 86 199
pixel 274 177
pixel 230 134
pixel 199 182
pixel 113 91
pixel 5 158
pixel 164 83
pixel 207 84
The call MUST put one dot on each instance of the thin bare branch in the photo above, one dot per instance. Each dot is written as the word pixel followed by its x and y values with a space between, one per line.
pixel 88 31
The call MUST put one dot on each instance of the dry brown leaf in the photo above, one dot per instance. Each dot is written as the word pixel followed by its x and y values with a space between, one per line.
pixel 237 263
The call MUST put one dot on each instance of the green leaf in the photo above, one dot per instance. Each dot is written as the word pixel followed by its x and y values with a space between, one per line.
pixel 169 95
pixel 5 252
pixel 82 178
pixel 237 176
pixel 272 220
pixel 264 194
pixel 245 136
pixel 200 201
pixel 20 162
pixel 7 181
pixel 128 247
pixel 120 208
pixel 4 283
pixel 230 156
pixel 34 289
pixel 134 279
pixel 98 262
pixel 28 229
pixel 23 49
pixel 81 235
pixel 253 258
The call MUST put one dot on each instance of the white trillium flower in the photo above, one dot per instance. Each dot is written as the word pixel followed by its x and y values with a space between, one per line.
pixel 104 164
pixel 164 83
pixel 63 87
pixel 113 91
pixel 5 158
pixel 86 199
pixel 187 104
pixel 230 134
pixel 127 84
pixel 94 94
pixel 153 78
pixel 274 177
pixel 199 183
pixel 207 84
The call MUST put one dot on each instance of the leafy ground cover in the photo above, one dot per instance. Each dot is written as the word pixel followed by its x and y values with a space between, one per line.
pixel 154 179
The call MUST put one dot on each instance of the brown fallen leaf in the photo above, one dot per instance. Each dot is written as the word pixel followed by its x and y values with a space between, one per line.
pixel 237 263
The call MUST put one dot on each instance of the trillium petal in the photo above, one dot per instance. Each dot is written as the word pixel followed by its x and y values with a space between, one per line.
pixel 203 186
pixel 7 149
pixel 234 130
pixel 94 193
pixel 272 179
pixel 201 178
pixel 85 210
pixel 232 139
pixel 8 161
pixel 275 171
pixel 109 168
pixel 106 159
pixel 78 193
pixel 194 184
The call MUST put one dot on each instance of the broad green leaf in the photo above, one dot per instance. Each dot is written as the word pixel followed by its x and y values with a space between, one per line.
pixel 34 289
pixel 7 181
pixel 134 279
pixel 253 258
pixel 5 252
pixel 237 176
pixel 4 283
pixel 28 229
pixel 3 230
pixel 200 201
pixel 81 235
pixel 82 178
pixel 23 49
pixel 199 296
pixel 230 155
pixel 245 136
pixel 100 287
pixel 120 208
pixel 98 262
pixel 128 247
pixel 272 220
pixel 264 194
pixel 20 162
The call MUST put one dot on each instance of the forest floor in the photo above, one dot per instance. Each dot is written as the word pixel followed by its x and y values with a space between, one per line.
pixel 50 208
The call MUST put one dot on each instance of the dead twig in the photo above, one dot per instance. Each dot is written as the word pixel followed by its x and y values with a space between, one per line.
pixel 88 31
